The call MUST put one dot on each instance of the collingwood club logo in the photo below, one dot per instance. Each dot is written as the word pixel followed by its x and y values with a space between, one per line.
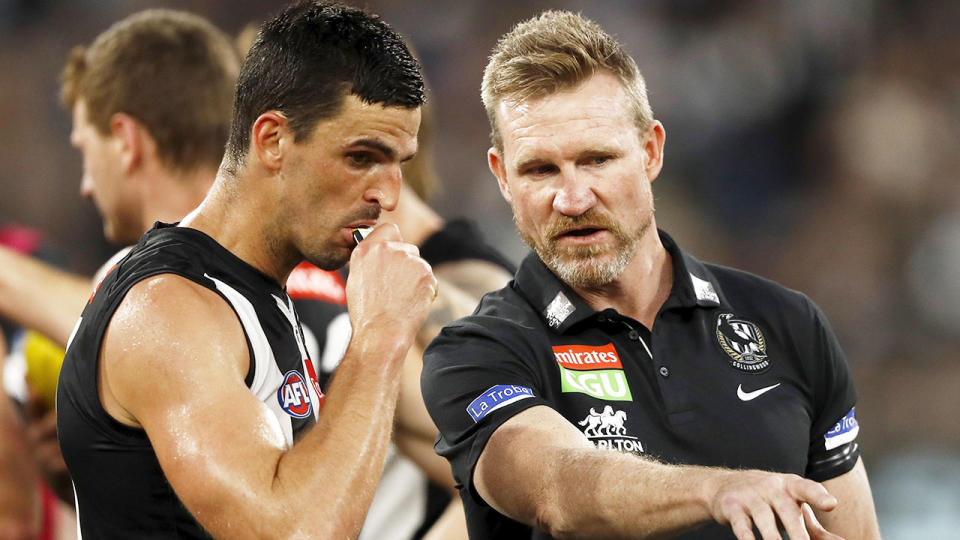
pixel 743 342
pixel 606 430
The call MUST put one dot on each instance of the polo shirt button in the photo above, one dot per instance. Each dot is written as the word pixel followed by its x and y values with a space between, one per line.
pixel 633 335
pixel 602 318
pixel 664 371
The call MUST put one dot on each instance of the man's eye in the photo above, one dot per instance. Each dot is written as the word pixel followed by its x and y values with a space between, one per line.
pixel 599 160
pixel 541 170
pixel 359 159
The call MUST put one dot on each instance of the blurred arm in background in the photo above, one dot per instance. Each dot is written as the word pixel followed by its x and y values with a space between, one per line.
pixel 19 493
pixel 36 295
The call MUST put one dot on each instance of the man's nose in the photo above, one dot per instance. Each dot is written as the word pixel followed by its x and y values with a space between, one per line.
pixel 574 196
pixel 386 191
pixel 86 185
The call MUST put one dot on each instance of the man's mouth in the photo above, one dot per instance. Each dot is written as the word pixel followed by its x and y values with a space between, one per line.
pixel 580 232
pixel 586 231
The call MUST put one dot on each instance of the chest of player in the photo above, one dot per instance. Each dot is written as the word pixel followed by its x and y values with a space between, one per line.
pixel 705 387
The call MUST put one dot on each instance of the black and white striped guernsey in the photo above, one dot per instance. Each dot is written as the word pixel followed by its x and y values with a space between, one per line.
pixel 121 491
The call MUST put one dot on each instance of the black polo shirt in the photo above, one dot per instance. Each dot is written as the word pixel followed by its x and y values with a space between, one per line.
pixel 738 372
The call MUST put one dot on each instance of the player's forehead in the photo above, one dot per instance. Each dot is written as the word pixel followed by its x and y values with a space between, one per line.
pixel 391 126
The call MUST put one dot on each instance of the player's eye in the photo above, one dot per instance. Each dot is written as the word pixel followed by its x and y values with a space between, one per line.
pixel 360 159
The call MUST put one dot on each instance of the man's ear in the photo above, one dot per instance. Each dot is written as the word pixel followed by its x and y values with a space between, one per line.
pixel 130 138
pixel 268 137
pixel 653 149
pixel 499 169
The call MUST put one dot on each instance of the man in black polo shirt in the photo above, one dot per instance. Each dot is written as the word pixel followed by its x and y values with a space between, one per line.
pixel 612 338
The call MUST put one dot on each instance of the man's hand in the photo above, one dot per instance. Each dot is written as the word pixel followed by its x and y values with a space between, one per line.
pixel 390 287
pixel 744 499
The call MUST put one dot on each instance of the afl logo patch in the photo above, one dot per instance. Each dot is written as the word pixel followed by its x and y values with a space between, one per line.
pixel 293 395
pixel 743 342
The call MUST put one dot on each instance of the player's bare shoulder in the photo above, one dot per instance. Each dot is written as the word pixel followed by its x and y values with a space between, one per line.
pixel 167 330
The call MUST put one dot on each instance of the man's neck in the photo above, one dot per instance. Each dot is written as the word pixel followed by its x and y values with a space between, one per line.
pixel 224 216
pixel 643 286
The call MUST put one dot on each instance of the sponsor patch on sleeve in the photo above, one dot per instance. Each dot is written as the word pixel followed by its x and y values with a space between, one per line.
pixel 844 431
pixel 497 396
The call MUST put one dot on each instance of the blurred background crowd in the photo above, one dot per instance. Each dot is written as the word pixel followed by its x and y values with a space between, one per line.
pixel 816 143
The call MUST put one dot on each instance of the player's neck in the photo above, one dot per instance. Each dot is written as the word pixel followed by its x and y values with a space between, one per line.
pixel 644 285
pixel 244 225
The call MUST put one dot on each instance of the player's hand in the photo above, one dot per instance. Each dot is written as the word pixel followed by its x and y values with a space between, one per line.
pixel 390 287
pixel 744 499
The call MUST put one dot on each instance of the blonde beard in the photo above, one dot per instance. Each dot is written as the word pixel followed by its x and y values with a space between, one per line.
pixel 583 266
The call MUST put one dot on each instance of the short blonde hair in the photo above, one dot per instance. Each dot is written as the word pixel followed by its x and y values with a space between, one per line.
pixel 554 51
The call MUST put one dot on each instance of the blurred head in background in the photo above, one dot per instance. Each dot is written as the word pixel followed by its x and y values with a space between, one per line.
pixel 151 95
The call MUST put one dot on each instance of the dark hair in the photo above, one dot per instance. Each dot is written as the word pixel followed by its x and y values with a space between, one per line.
pixel 306 60
pixel 172 71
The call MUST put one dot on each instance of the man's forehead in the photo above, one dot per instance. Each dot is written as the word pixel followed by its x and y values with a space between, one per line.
pixel 359 117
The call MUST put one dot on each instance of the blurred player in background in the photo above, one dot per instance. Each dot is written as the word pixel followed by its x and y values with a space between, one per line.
pixel 413 498
pixel 151 100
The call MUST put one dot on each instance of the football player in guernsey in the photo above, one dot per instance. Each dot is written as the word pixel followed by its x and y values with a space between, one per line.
pixel 618 387
pixel 188 405
pixel 146 157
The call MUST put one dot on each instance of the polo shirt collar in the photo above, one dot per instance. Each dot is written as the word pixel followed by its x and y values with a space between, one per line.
pixel 693 283
pixel 561 308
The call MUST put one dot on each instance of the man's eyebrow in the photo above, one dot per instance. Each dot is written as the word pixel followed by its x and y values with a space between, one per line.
pixel 387 151
pixel 526 163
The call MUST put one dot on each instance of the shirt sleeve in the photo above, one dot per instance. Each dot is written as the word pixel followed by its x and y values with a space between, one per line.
pixel 473 381
pixel 833 434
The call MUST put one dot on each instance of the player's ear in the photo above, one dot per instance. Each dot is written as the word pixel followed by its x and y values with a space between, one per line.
pixel 268 137
pixel 128 134
pixel 498 168
pixel 653 142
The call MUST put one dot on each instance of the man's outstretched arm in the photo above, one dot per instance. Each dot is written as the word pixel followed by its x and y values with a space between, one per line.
pixel 38 296
pixel 219 446
pixel 539 469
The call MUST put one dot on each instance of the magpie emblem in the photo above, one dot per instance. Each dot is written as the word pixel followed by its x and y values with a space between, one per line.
pixel 743 342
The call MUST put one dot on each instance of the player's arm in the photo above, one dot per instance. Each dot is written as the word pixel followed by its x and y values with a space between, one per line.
pixel 39 296
pixel 855 516
pixel 19 498
pixel 539 469
pixel 179 373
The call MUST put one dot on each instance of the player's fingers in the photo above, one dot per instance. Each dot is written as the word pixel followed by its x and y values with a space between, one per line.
pixel 742 526
pixel 386 231
pixel 765 521
pixel 407 248
pixel 813 526
pixel 812 492
pixel 788 511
